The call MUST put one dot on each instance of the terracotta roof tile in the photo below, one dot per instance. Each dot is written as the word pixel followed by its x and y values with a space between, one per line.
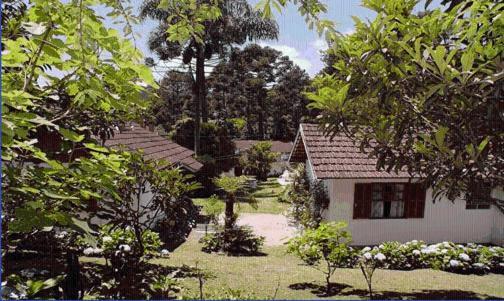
pixel 338 157
pixel 154 146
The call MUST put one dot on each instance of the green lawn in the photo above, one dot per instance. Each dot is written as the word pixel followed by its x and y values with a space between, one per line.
pixel 260 276
pixel 266 194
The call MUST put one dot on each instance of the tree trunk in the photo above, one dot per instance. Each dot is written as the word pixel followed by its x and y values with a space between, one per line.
pixel 261 119
pixel 71 283
pixel 201 83
pixel 198 95
pixel 229 218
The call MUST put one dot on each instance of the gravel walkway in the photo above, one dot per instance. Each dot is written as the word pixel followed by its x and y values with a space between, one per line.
pixel 274 227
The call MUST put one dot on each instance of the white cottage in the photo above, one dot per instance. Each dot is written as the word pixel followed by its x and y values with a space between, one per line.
pixel 380 206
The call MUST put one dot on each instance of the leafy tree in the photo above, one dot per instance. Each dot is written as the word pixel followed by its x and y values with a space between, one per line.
pixel 152 193
pixel 307 199
pixel 66 110
pixel 258 160
pixel 232 187
pixel 328 243
pixel 217 152
pixel 288 102
pixel 174 100
pixel 215 26
pixel 264 88
pixel 405 88
pixel 63 74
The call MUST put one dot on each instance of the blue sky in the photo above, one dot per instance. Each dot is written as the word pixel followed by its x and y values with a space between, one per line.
pixel 296 40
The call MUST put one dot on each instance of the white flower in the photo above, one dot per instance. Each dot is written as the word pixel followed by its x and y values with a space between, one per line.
pixel 97 250
pixel 125 248
pixel 13 296
pixel 501 264
pixel 367 255
pixel 128 228
pixel 62 234
pixel 464 257
pixel 380 257
pixel 366 249
pixel 107 239
pixel 444 251
pixel 414 241
pixel 416 252
pixel 454 263
pixel 88 251
pixel 380 246
pixel 164 252
pixel 479 265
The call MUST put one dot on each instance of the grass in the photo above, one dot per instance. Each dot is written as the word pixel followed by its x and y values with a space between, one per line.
pixel 262 276
pixel 267 194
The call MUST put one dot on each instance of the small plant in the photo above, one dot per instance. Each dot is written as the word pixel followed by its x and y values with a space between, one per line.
pixel 368 262
pixel 328 243
pixel 17 288
pixel 213 207
pixel 163 286
pixel 235 241
pixel 259 159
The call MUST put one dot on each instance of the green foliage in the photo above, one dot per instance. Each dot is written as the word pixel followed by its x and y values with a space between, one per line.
pixel 307 199
pixel 16 288
pixel 163 287
pixel 328 243
pixel 265 93
pixel 235 241
pixel 403 85
pixel 213 207
pixel 125 241
pixel 259 159
pixel 54 37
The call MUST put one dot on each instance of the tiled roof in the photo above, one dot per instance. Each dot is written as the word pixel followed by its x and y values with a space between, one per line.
pixel 276 145
pixel 154 146
pixel 338 157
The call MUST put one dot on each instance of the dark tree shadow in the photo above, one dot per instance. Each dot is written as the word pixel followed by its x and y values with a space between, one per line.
pixel 320 290
pixel 340 289
pixel 423 295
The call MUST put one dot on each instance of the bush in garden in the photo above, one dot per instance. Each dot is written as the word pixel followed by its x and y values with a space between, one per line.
pixel 326 245
pixel 369 260
pixel 446 256
pixel 236 241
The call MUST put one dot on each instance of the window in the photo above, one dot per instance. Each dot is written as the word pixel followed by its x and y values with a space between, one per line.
pixel 479 198
pixel 389 200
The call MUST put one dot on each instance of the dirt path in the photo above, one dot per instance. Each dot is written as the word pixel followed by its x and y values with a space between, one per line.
pixel 274 227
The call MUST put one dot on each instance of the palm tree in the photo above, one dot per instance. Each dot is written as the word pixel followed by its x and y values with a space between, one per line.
pixel 237 24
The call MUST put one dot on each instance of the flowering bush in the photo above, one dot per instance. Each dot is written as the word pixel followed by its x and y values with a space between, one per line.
pixel 447 256
pixel 122 242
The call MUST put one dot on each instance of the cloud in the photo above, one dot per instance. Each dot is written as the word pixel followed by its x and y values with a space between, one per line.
pixel 319 44
pixel 349 31
pixel 293 54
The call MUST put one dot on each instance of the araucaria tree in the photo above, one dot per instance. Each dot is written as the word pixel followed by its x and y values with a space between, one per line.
pixel 224 23
pixel 259 159
pixel 423 92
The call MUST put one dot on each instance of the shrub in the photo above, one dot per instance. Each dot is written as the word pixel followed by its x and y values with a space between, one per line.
pixel 328 243
pixel 369 260
pixel 446 256
pixel 235 241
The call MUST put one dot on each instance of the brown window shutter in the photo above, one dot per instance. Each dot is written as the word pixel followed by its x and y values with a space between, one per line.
pixel 414 198
pixel 362 201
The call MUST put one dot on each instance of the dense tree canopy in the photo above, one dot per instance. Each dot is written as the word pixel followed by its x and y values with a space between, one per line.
pixel 220 25
pixel 423 91
pixel 263 87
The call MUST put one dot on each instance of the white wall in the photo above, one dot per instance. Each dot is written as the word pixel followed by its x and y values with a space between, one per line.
pixel 443 220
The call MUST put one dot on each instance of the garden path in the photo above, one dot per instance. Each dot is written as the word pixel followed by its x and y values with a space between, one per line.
pixel 274 227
